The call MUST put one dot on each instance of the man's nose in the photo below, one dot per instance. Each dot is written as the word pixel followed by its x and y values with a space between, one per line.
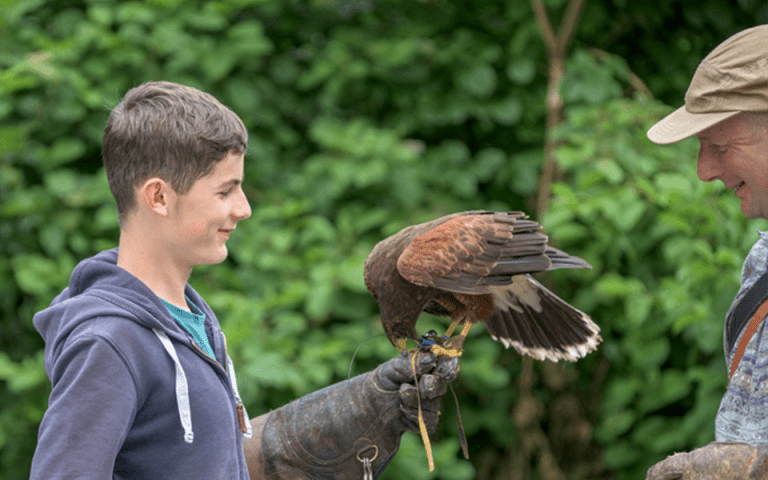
pixel 707 167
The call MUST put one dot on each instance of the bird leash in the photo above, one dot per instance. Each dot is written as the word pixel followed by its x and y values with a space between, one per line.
pixel 423 425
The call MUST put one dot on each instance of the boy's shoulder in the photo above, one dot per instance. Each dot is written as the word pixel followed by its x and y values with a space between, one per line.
pixel 104 300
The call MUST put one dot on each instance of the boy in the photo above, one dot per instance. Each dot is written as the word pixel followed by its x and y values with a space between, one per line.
pixel 142 384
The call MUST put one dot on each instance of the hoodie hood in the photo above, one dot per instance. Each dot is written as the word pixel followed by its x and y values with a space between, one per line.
pixel 99 288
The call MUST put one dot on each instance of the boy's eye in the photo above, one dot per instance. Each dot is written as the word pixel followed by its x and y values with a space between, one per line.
pixel 225 193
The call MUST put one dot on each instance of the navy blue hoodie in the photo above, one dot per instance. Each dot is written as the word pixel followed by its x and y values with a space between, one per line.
pixel 133 395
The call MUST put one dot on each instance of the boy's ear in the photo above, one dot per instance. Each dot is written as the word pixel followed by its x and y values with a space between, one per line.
pixel 155 193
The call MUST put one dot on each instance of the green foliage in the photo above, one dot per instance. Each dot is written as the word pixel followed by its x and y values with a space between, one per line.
pixel 366 117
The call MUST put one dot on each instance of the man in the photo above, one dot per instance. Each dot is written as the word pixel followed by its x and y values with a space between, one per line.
pixel 142 384
pixel 726 108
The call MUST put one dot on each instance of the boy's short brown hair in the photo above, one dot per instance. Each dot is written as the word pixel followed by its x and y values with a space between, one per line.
pixel 171 131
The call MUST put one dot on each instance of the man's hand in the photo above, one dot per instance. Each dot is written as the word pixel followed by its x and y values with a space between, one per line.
pixel 716 461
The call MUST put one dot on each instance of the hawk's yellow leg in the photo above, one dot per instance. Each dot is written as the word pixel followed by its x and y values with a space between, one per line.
pixel 454 346
pixel 451 328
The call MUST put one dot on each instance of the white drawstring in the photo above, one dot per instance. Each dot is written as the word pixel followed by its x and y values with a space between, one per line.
pixel 182 391
pixel 182 387
pixel 248 433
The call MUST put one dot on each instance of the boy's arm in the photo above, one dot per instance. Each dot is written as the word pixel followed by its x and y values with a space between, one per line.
pixel 90 410
pixel 330 433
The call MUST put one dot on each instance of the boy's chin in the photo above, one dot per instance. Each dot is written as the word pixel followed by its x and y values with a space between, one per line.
pixel 213 258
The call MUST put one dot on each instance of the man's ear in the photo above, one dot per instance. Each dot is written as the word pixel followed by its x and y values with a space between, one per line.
pixel 156 194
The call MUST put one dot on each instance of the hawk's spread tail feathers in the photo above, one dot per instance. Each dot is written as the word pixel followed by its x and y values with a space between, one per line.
pixel 537 323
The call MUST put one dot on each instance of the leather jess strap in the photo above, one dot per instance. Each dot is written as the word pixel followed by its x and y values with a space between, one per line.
pixel 754 322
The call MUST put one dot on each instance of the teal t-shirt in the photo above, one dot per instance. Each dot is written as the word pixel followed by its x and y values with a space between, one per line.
pixel 193 322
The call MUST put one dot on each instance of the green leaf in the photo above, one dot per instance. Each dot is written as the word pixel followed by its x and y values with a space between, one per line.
pixel 479 80
pixel 521 70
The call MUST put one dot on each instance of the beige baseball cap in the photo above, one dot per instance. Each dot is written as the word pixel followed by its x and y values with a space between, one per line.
pixel 733 78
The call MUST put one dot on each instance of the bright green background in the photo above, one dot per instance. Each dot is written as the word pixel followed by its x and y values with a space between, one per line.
pixel 366 116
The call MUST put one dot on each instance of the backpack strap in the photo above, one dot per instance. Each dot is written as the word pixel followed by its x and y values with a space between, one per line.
pixel 746 315
pixel 754 322
pixel 741 314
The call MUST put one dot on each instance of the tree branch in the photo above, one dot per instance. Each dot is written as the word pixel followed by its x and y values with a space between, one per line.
pixel 557 47
pixel 547 33
pixel 570 22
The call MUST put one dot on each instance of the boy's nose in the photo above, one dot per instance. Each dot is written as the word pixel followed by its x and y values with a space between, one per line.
pixel 243 209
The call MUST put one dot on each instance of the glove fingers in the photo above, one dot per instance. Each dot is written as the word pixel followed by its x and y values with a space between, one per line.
pixel 447 368
pixel 408 398
pixel 411 419
pixel 671 468
pixel 391 374
pixel 425 362
pixel 433 375
pixel 431 389
pixel 400 369
pixel 432 386
pixel 658 472
pixel 430 402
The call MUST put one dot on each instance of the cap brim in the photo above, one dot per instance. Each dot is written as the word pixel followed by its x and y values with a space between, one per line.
pixel 682 124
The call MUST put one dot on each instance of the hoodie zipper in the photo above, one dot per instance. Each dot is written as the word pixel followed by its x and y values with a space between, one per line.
pixel 242 414
pixel 208 357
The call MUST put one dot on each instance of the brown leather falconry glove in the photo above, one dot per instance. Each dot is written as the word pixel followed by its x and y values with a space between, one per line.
pixel 721 461
pixel 352 428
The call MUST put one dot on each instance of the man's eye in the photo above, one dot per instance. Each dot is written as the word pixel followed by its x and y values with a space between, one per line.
pixel 226 193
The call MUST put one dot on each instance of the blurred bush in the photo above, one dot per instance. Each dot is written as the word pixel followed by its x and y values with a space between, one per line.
pixel 366 117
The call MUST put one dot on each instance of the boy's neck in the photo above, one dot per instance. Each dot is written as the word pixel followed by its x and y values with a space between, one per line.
pixel 154 266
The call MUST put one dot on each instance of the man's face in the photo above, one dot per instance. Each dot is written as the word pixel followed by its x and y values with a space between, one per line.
pixel 735 151
pixel 205 215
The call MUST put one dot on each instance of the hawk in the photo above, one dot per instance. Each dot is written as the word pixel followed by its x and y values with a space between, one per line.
pixel 475 267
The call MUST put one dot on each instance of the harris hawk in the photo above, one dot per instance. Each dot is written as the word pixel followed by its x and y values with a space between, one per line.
pixel 475 267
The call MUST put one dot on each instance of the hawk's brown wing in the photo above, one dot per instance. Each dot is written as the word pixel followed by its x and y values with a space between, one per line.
pixel 469 252
pixel 480 254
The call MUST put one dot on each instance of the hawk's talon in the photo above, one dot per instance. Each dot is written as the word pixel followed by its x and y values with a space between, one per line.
pixel 400 343
pixel 440 350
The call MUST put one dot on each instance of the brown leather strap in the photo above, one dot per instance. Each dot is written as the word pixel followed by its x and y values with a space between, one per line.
pixel 754 322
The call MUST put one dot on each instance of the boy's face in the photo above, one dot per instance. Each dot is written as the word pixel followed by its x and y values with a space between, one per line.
pixel 204 216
